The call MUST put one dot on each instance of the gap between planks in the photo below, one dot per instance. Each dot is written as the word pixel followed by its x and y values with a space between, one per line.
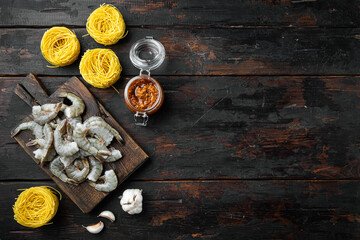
pixel 197 180
pixel 202 75
pixel 290 26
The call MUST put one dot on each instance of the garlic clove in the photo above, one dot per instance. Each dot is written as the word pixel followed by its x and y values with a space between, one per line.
pixel 96 228
pixel 107 214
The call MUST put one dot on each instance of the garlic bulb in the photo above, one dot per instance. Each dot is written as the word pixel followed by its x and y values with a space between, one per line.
pixel 131 201
pixel 96 228
pixel 107 214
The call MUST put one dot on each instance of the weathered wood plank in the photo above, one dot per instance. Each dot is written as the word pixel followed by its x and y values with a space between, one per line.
pixel 206 51
pixel 190 13
pixel 224 127
pixel 207 209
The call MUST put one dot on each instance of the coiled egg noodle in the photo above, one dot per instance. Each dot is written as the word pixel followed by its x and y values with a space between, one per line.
pixel 100 67
pixel 106 25
pixel 60 46
pixel 36 206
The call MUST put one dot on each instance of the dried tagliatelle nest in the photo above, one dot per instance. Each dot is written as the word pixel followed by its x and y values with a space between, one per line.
pixel 36 206
pixel 100 67
pixel 60 46
pixel 106 25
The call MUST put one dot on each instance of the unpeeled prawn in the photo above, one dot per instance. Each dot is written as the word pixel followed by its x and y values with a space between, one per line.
pixel 110 182
pixel 79 136
pixel 62 147
pixel 115 154
pixel 45 113
pixel 55 122
pixel 97 122
pixel 96 168
pixel 36 129
pixel 66 161
pixel 45 145
pixel 77 107
pixel 57 168
pixel 78 170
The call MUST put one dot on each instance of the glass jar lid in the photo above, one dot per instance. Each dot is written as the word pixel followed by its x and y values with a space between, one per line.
pixel 147 54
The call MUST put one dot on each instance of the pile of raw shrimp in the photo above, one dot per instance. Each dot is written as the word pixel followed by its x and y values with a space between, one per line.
pixel 75 150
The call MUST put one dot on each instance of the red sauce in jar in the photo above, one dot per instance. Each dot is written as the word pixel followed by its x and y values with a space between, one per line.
pixel 143 94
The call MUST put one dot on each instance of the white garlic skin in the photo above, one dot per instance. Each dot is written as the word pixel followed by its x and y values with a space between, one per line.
pixel 96 228
pixel 107 214
pixel 131 201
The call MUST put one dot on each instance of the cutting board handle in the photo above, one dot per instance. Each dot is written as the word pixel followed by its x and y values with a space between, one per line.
pixel 32 91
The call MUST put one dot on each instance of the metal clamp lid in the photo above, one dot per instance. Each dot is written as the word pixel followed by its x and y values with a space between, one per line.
pixel 141 119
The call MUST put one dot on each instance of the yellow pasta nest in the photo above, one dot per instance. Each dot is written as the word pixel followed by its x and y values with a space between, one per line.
pixel 60 46
pixel 106 25
pixel 100 67
pixel 36 206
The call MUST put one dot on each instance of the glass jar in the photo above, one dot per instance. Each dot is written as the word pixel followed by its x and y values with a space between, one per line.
pixel 143 94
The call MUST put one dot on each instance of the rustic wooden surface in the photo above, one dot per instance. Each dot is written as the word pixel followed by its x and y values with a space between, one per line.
pixel 83 195
pixel 206 51
pixel 259 134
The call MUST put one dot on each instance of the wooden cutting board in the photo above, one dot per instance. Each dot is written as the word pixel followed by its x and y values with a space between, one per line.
pixel 84 196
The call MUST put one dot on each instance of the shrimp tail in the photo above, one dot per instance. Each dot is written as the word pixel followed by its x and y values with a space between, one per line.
pixel 31 143
pixel 119 139
pixel 102 155
pixel 58 106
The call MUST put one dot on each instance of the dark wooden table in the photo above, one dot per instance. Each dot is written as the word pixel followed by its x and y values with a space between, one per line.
pixel 259 134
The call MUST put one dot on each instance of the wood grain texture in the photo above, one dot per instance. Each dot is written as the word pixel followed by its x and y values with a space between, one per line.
pixel 308 13
pixel 205 51
pixel 85 196
pixel 258 137
pixel 225 127
pixel 320 210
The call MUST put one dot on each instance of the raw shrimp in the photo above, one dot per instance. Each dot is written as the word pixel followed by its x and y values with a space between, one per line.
pixel 45 113
pixel 80 138
pixel 69 160
pixel 78 170
pixel 73 121
pixel 110 182
pixel 96 168
pixel 69 133
pixel 99 132
pixel 84 153
pixel 77 107
pixel 36 129
pixel 115 154
pixel 66 161
pixel 51 154
pixel 93 118
pixel 97 122
pixel 57 168
pixel 43 156
pixel 55 122
pixel 44 143
pixel 102 134
pixel 63 147
pixel 97 144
